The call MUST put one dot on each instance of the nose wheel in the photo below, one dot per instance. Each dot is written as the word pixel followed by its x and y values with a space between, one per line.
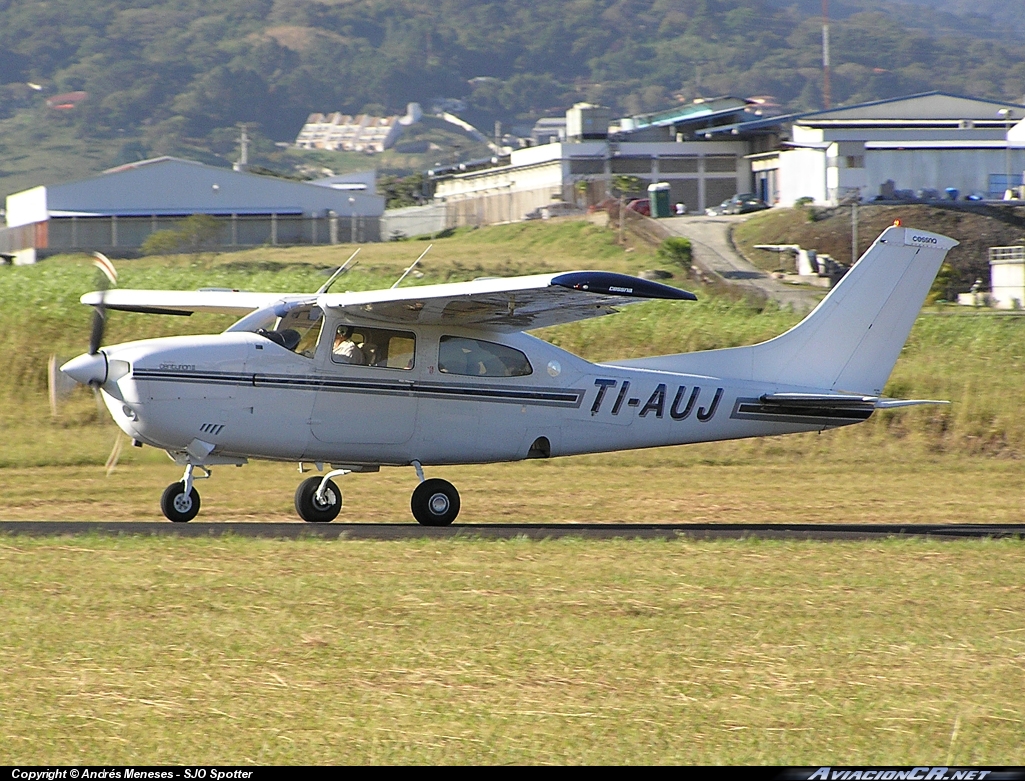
pixel 179 505
pixel 180 501
pixel 435 502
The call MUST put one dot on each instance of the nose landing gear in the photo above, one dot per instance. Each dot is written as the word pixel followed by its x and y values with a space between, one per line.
pixel 180 500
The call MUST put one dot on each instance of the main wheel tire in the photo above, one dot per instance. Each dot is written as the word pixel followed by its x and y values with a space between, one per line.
pixel 435 502
pixel 177 506
pixel 310 509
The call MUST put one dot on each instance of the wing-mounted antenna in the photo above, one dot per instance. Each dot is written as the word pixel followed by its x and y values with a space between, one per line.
pixel 341 270
pixel 413 266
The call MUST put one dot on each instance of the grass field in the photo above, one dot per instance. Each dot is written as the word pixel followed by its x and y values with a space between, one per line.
pixel 121 650
pixel 174 651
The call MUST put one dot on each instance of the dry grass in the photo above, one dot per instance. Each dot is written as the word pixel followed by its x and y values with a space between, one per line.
pixel 175 651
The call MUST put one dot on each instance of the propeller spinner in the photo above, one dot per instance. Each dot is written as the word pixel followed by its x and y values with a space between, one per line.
pixel 90 369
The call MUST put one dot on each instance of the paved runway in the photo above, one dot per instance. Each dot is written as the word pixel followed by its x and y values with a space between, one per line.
pixel 534 531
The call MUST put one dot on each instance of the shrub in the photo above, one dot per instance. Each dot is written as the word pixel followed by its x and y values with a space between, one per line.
pixel 162 242
pixel 676 250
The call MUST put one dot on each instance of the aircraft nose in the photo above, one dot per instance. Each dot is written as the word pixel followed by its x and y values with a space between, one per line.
pixel 87 369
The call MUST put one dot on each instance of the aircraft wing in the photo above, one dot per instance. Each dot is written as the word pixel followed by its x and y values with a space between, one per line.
pixel 185 302
pixel 509 304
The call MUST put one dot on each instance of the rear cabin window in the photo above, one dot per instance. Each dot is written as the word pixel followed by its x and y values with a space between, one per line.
pixel 378 347
pixel 476 358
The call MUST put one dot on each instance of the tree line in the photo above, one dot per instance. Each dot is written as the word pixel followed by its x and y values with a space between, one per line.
pixel 171 72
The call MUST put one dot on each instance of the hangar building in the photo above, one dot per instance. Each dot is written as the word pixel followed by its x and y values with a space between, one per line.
pixel 117 210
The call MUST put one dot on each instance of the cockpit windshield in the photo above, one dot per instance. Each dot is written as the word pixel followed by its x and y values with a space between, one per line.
pixel 297 330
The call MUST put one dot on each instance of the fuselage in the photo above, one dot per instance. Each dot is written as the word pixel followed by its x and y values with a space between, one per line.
pixel 444 396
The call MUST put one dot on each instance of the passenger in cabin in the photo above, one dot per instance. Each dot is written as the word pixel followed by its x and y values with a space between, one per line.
pixel 345 348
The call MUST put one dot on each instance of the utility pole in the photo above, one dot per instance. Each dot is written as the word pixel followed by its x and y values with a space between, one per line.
pixel 826 97
pixel 621 199
pixel 243 142
pixel 854 232
pixel 1008 192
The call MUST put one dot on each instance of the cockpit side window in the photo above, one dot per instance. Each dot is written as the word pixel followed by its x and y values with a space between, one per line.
pixel 477 358
pixel 378 347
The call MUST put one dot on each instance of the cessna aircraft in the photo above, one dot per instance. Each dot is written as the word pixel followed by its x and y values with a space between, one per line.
pixel 445 374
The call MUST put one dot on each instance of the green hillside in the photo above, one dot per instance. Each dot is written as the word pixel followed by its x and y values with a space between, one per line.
pixel 175 77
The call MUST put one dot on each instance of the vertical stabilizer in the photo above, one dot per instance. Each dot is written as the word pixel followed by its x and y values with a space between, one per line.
pixel 851 340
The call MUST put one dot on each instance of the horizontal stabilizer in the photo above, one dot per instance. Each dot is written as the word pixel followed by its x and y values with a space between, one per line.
pixel 821 409
pixel 839 400
pixel 818 399
pixel 895 403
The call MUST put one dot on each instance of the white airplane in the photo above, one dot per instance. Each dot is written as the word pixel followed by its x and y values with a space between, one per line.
pixel 445 374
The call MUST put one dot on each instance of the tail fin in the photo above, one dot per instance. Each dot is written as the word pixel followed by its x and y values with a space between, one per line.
pixel 851 340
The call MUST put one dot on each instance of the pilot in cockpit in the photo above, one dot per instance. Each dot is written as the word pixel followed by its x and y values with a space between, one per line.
pixel 345 349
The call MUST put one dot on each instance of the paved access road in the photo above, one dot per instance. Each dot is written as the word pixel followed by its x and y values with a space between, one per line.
pixel 714 253
pixel 533 531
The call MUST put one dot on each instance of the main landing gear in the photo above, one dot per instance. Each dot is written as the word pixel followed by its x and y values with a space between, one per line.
pixel 317 499
pixel 435 502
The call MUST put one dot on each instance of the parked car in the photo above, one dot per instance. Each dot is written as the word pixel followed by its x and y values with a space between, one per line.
pixel 555 209
pixel 715 211
pixel 641 206
pixel 745 203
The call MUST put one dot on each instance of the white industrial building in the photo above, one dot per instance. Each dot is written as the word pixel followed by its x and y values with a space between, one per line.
pixel 338 132
pixel 917 146
pixel 117 210
pixel 904 148
pixel 667 147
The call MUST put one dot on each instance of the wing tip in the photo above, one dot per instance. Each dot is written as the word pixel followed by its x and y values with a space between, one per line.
pixel 609 283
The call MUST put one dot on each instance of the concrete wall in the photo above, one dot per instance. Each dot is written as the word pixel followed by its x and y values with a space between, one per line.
pixel 414 221
pixel 1007 284
pixel 802 174
pixel 123 236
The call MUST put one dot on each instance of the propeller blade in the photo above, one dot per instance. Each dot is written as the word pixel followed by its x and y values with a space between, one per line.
pixel 58 384
pixel 107 281
pixel 102 262
pixel 96 336
pixel 115 453
pixel 101 408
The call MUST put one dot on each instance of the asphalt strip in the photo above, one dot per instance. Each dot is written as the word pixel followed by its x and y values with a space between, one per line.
pixel 535 531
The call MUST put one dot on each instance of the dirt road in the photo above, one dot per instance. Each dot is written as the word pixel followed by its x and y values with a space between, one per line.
pixel 713 253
